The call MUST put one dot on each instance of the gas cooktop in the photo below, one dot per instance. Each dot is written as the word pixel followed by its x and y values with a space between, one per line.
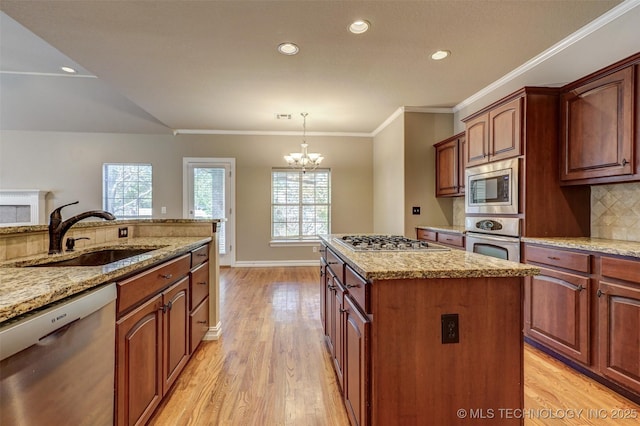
pixel 385 243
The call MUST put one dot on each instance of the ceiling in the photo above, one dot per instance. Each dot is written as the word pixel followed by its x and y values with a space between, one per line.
pixel 212 66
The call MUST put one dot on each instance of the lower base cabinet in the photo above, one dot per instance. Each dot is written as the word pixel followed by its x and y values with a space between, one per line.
pixel 160 322
pixel 585 307
pixel 356 363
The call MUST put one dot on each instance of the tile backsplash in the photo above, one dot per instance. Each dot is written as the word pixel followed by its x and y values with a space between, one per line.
pixel 458 211
pixel 615 211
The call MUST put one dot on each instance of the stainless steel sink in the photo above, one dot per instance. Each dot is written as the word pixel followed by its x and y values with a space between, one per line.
pixel 98 258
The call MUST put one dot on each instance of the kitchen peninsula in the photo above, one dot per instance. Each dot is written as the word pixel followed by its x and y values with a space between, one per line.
pixel 424 336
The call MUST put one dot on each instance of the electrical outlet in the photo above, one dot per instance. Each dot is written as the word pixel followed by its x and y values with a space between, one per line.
pixel 450 328
pixel 123 232
pixel 315 249
pixel 416 210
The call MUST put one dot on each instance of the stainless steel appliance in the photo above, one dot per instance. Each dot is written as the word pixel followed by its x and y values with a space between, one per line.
pixel 492 188
pixel 386 243
pixel 57 364
pixel 494 236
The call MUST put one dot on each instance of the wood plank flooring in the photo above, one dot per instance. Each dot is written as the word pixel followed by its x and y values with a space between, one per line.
pixel 271 367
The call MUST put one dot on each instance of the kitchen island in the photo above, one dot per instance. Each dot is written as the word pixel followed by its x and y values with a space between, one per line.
pixel 424 337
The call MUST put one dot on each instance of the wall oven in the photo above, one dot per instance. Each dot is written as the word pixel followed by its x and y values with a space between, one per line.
pixel 494 236
pixel 492 188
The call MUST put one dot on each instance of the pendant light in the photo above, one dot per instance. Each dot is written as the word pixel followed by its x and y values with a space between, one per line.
pixel 304 160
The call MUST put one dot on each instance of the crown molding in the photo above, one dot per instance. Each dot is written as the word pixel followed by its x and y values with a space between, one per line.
pixel 265 133
pixel 563 44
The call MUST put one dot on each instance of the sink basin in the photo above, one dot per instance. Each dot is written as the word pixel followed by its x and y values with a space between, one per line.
pixel 98 258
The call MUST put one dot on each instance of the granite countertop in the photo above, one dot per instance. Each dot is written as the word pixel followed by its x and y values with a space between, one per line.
pixel 416 264
pixel 94 223
pixel 599 245
pixel 23 289
pixel 444 228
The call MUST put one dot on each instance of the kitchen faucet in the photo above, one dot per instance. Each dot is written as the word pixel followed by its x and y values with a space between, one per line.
pixel 57 228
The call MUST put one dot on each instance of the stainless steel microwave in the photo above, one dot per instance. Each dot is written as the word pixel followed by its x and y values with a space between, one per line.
pixel 492 188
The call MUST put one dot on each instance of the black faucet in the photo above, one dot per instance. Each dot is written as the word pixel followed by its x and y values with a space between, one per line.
pixel 57 228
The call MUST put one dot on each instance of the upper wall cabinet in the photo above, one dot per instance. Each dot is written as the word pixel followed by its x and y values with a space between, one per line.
pixel 495 134
pixel 450 164
pixel 599 137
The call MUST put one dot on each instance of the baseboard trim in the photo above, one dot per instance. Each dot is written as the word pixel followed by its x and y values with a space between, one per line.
pixel 276 263
pixel 214 333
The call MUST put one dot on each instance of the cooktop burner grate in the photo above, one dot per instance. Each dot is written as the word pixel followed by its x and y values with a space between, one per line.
pixel 386 243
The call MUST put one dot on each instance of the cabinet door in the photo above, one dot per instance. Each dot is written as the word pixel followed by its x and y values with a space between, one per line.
pixel 462 162
pixel 323 294
pixel 356 363
pixel 505 130
pixel 330 291
pixel 477 137
pixel 338 343
pixel 597 126
pixel 557 312
pixel 447 173
pixel 198 324
pixel 139 363
pixel 176 331
pixel 619 333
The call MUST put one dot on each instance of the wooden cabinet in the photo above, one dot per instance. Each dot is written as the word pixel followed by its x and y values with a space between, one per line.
pixel 496 134
pixel 585 307
pixel 557 301
pixel 449 239
pixel 356 359
pixel 161 315
pixel 139 363
pixel 450 165
pixel 599 131
pixel 619 321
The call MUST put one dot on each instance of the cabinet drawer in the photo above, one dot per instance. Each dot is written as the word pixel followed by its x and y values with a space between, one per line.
pixel 139 287
pixel 199 284
pixel 622 269
pixel 199 255
pixel 558 258
pixel 451 239
pixel 336 264
pixel 199 324
pixel 358 288
pixel 425 234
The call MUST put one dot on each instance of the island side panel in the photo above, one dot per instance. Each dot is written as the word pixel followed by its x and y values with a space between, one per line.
pixel 416 379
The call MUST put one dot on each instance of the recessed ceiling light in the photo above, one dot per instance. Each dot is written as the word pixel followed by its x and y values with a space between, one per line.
pixel 440 54
pixel 68 69
pixel 360 26
pixel 288 48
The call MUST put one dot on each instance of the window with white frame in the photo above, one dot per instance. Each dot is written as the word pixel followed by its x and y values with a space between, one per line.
pixel 300 204
pixel 127 189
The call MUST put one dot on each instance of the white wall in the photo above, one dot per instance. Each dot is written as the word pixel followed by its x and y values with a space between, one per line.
pixel 70 165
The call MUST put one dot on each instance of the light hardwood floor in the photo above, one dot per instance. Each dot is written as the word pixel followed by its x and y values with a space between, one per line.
pixel 271 367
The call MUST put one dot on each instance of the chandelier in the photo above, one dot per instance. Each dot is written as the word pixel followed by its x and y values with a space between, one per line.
pixel 304 160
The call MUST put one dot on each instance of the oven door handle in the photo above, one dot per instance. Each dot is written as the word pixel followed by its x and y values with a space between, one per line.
pixel 513 240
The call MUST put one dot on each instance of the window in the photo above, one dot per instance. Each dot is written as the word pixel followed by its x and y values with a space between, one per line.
pixel 300 204
pixel 126 190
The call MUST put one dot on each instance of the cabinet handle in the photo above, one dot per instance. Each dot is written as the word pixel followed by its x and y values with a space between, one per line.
pixel 332 263
pixel 624 162
pixel 201 254
pixel 600 293
pixel 201 322
pixel 333 287
pixel 165 308
pixel 580 288
pixel 342 310
pixel 166 276
pixel 553 258
pixel 202 283
pixel 352 285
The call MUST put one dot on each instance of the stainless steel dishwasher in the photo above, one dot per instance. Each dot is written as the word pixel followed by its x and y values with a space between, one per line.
pixel 57 364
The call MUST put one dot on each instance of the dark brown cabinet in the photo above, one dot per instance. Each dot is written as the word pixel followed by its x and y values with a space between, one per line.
pixel 598 127
pixel 450 239
pixel 496 134
pixel 557 301
pixel 356 359
pixel 619 321
pixel 585 307
pixel 450 165
pixel 162 315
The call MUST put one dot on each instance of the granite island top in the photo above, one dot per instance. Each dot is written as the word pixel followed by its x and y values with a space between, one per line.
pixel 23 288
pixel 599 245
pixel 421 264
